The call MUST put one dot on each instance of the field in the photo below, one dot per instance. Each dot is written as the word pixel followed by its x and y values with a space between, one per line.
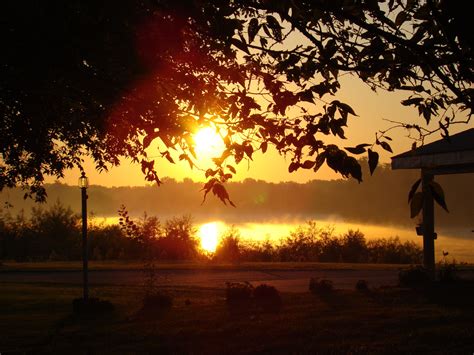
pixel 38 317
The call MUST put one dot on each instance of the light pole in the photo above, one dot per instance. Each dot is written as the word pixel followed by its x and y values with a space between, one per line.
pixel 84 184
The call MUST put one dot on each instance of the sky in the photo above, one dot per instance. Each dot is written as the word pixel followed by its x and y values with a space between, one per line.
pixel 372 108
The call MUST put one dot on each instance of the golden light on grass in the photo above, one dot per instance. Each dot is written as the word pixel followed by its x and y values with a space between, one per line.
pixel 209 235
pixel 209 143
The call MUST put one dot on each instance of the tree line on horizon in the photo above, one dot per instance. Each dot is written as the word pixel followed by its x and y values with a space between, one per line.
pixel 380 200
pixel 55 234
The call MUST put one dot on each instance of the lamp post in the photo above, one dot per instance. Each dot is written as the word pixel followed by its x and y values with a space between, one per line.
pixel 84 184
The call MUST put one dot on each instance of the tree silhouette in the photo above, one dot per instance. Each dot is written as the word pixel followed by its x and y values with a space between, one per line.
pixel 109 79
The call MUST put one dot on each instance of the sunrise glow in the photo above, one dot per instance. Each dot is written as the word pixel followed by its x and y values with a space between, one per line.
pixel 209 143
pixel 209 235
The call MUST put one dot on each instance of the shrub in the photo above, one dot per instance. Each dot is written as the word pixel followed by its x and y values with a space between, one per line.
pixel 447 271
pixel 414 277
pixel 362 285
pixel 317 285
pixel 267 297
pixel 238 292
pixel 157 301
pixel 93 306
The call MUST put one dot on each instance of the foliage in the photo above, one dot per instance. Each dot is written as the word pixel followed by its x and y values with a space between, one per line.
pixel 267 298
pixel 415 199
pixel 447 270
pixel 229 246
pixel 100 84
pixel 238 293
pixel 320 286
pixel 415 276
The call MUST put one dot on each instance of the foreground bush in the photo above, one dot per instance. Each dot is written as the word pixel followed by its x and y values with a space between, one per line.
pixel 416 276
pixel 320 286
pixel 267 298
pixel 238 293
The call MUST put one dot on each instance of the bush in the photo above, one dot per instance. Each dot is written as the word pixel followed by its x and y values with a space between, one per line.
pixel 362 285
pixel 317 285
pixel 238 292
pixel 414 277
pixel 447 271
pixel 157 301
pixel 267 297
pixel 93 306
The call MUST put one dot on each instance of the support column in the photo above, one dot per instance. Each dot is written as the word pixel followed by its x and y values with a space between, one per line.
pixel 85 255
pixel 428 223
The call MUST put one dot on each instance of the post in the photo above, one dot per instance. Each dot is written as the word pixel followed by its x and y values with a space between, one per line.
pixel 84 246
pixel 428 223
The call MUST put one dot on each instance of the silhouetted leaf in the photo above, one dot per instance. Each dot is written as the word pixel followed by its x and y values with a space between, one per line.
pixel 167 155
pixel 275 27
pixel 386 146
pixel 319 161
pixel 264 147
pixel 412 101
pixel 346 108
pixel 253 29
pixel 413 189
pixel 401 17
pixel 308 164
pixel 293 166
pixel 373 160
pixel 416 204
pixel 231 168
pixel 438 194
pixel 359 149
pixel 240 45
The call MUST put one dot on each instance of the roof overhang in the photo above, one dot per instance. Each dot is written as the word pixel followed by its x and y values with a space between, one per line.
pixel 445 156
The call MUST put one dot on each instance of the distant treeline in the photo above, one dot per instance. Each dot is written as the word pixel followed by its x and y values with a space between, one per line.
pixel 55 234
pixel 381 198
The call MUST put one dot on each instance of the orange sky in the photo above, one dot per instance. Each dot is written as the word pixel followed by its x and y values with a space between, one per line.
pixel 371 107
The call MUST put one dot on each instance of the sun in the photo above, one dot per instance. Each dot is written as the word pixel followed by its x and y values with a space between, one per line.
pixel 208 143
pixel 209 235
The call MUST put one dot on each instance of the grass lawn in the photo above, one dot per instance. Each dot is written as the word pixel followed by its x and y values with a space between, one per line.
pixel 37 318
pixel 183 265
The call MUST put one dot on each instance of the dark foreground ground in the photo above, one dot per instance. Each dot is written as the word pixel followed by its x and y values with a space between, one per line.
pixel 37 317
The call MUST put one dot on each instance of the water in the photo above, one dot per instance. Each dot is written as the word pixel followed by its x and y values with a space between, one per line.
pixel 458 242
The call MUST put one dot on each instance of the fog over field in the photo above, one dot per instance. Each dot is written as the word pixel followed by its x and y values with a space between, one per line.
pixel 380 199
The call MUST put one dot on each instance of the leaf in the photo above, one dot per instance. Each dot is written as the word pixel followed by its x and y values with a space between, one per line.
pixel 210 172
pixel 168 156
pixel 275 27
pixel 319 161
pixel 240 45
pixel 346 108
pixel 386 146
pixel 416 204
pixel 264 147
pixel 231 168
pixel 438 194
pixel 220 191
pixel 293 166
pixel 308 164
pixel 401 17
pixel 359 149
pixel 373 160
pixel 413 189
pixel 412 101
pixel 253 29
